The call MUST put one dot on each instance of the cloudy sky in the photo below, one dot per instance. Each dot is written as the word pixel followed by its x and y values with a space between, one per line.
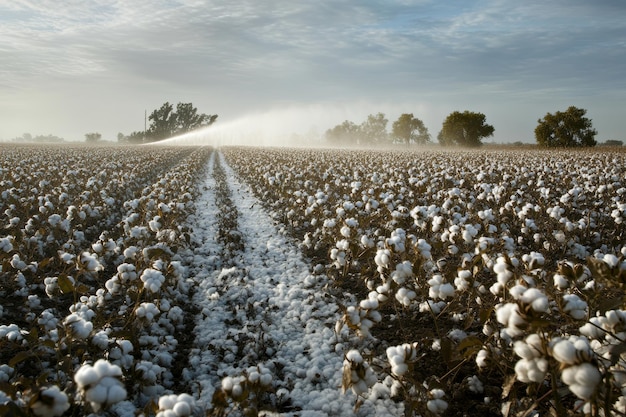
pixel 77 66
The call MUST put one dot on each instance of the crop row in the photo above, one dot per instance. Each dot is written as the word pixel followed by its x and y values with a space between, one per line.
pixel 92 286
pixel 490 281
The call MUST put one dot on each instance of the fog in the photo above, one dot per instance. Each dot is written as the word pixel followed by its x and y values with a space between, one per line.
pixel 287 126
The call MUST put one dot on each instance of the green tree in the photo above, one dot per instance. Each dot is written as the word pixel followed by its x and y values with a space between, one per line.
pixel 464 129
pixel 565 129
pixel 346 133
pixel 409 130
pixel 92 137
pixel 163 122
pixel 188 119
pixel 374 129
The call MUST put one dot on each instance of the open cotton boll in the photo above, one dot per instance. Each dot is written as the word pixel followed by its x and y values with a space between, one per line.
pixel 439 289
pixel 382 259
pixel 90 262
pixel 100 384
pixel 582 379
pixel 78 327
pixel 531 370
pixel 148 311
pixel 51 402
pixel 152 279
pixel 437 405
pixel 403 272
pixel 176 405
pixel 537 300
pixel 575 306
pixel 509 315
pixel 405 296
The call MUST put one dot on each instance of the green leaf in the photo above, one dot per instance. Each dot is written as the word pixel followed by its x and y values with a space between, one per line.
pixel 20 357
pixel 469 346
pixel 65 284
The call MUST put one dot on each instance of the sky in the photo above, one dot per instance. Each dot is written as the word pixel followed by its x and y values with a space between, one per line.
pixel 287 66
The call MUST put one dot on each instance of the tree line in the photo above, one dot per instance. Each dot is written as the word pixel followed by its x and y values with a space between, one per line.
pixel 568 128
pixel 168 121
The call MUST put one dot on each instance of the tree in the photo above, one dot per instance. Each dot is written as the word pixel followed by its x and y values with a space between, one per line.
pixel 408 129
pixel 92 137
pixel 565 129
pixel 188 119
pixel 165 122
pixel 465 129
pixel 162 122
pixel 347 133
pixel 374 129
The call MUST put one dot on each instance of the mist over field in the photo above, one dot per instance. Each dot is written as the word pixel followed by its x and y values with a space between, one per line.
pixel 295 125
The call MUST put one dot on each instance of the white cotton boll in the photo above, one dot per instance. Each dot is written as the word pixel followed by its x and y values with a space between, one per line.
pixel 481 358
pixel 354 356
pixel 522 350
pixel 182 409
pixel 516 291
pixel 475 385
pixel 399 369
pixel 537 300
pixel 167 402
pixel 101 340
pixel 52 402
pixel 531 370
pixel 405 296
pixel 152 279
pixel 382 258
pixel 560 281
pixel 581 379
pixel 611 260
pixel 345 231
pixel 437 405
pixel 97 396
pixel 116 392
pixel 366 242
pixel 575 306
pixel 439 289
pixel 78 327
pixel 508 314
pixel 564 352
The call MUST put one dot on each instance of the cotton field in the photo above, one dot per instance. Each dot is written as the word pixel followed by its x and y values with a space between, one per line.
pixel 190 281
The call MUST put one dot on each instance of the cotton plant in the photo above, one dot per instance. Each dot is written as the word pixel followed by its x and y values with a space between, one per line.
pixel 401 357
pixel 362 317
pixel 50 402
pixel 358 376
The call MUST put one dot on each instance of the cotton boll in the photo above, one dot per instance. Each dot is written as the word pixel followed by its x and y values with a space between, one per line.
pixel 439 289
pixel 405 296
pixel 475 385
pixel 509 315
pixel 531 370
pixel 51 402
pixel 582 379
pixel 182 409
pixel 77 326
pixel 437 405
pixel 575 306
pixel 227 384
pixel 538 300
pixel 481 358
pixel 152 279
pixel 564 352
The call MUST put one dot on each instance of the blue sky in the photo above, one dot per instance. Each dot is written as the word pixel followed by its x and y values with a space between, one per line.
pixel 73 67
